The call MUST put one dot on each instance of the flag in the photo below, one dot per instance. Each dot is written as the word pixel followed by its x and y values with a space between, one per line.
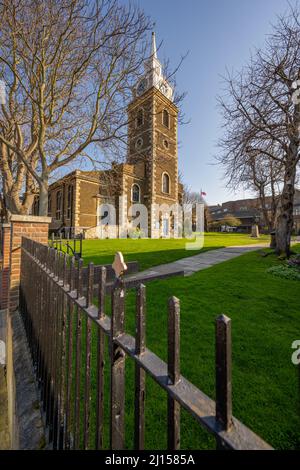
pixel 203 193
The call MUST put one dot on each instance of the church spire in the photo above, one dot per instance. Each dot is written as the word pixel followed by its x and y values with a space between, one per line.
pixel 153 47
pixel 153 76
pixel 152 63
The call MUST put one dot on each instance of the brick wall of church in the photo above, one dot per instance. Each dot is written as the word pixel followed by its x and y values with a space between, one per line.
pixel 88 203
pixel 165 150
pixel 84 201
pixel 65 218
pixel 140 132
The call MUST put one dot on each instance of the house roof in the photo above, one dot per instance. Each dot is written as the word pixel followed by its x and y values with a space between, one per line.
pixel 249 214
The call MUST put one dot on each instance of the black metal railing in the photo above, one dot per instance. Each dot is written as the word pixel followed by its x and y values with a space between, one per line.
pixel 60 323
pixel 70 246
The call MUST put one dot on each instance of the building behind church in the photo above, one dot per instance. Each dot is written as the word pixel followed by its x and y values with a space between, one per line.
pixel 77 202
pixel 249 212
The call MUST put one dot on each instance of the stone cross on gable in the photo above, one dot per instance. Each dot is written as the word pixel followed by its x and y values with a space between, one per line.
pixel 119 265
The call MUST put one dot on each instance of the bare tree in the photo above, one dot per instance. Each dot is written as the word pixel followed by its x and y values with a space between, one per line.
pixel 194 197
pixel 261 115
pixel 69 67
pixel 265 176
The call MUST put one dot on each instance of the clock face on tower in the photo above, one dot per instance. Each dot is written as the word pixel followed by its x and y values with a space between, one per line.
pixel 164 89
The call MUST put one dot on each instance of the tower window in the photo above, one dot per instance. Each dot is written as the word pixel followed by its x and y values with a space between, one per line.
pixel 165 183
pixel 166 118
pixel 140 118
pixel 135 193
pixel 58 205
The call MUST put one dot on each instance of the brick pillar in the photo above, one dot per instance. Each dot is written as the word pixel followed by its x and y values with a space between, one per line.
pixel 28 226
pixel 5 268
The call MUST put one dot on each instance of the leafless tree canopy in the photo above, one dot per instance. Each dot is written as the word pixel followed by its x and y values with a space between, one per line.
pixel 69 67
pixel 262 120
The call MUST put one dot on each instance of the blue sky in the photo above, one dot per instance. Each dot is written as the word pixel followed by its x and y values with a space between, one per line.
pixel 217 34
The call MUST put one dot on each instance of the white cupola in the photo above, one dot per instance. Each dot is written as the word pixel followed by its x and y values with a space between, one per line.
pixel 153 76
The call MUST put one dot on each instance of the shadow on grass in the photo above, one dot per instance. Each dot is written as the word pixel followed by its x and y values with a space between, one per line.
pixel 148 259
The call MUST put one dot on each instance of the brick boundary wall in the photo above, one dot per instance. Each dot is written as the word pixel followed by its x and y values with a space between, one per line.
pixel 33 227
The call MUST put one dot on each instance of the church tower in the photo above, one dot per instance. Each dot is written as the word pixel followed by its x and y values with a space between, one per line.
pixel 152 142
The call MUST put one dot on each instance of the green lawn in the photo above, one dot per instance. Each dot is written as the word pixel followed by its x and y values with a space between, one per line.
pixel 265 313
pixel 151 252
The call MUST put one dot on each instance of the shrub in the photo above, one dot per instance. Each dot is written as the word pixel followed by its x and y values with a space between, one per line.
pixel 285 271
pixel 231 221
pixel 136 233
pixel 294 262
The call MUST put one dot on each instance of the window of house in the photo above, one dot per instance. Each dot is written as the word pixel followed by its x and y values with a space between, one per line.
pixel 69 201
pixel 166 183
pixel 140 118
pixel 135 193
pixel 49 205
pixel 166 118
pixel 297 211
pixel 58 205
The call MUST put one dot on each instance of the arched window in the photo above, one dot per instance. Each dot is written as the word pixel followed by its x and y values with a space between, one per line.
pixel 135 193
pixel 166 183
pixel 58 205
pixel 166 118
pixel 70 201
pixel 140 118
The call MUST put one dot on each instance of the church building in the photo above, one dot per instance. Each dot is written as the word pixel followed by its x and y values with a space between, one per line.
pixel 148 177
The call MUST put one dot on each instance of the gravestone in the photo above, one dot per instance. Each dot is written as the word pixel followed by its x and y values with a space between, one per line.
pixel 255 231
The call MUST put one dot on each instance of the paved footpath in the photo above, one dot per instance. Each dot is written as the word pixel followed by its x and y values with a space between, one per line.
pixel 193 264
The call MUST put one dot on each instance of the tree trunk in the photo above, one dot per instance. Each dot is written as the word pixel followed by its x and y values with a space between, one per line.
pixel 285 219
pixel 273 240
pixel 43 197
pixel 10 203
pixel 13 182
pixel 269 215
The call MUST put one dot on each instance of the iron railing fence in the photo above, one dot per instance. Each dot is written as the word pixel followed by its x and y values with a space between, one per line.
pixel 71 246
pixel 58 320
